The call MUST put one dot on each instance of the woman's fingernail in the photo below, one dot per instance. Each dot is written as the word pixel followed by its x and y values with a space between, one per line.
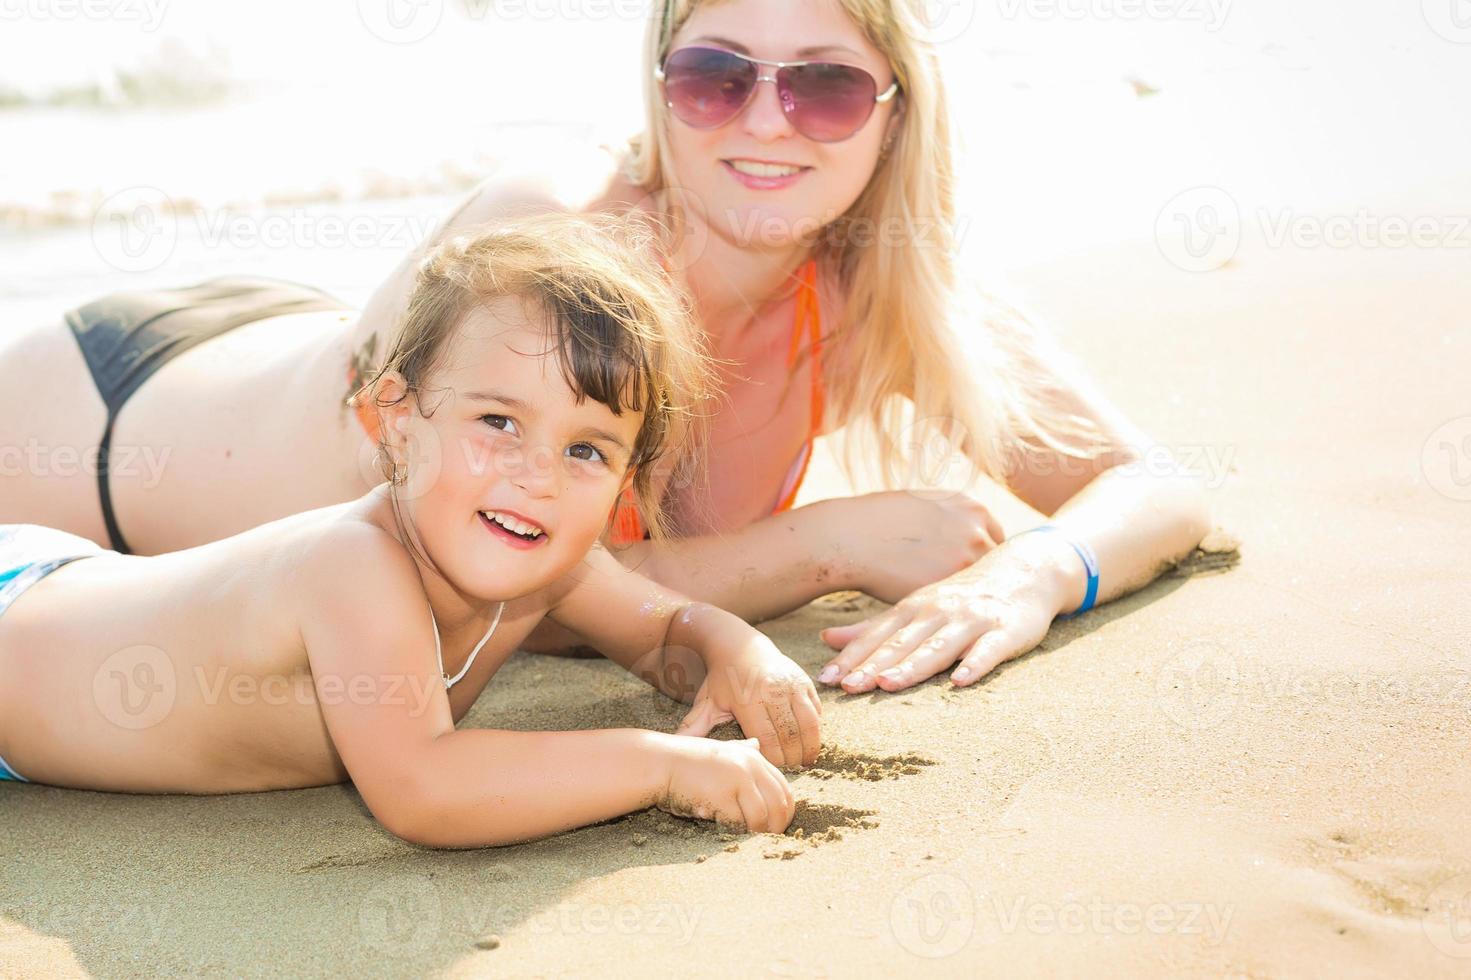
pixel 829 674
pixel 893 673
pixel 962 674
pixel 857 677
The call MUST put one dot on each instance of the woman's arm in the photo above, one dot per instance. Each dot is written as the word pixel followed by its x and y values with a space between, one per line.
pixel 1138 519
pixel 883 544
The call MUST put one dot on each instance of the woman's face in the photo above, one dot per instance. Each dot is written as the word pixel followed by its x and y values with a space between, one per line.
pixel 706 162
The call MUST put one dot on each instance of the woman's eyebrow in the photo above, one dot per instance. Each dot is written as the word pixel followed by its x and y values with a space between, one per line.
pixel 740 48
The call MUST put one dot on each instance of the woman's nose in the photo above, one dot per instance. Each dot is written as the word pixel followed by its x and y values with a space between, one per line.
pixel 764 119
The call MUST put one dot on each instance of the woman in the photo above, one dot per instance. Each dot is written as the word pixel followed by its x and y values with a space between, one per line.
pixel 790 151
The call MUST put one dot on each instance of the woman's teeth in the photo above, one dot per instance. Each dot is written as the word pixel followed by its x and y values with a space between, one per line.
pixel 513 525
pixel 754 169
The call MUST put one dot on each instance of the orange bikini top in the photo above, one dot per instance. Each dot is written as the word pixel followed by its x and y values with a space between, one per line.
pixel 628 527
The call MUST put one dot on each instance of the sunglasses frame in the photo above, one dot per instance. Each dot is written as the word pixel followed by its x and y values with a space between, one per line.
pixel 777 66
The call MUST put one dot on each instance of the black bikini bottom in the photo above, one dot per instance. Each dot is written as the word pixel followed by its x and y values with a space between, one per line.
pixel 126 337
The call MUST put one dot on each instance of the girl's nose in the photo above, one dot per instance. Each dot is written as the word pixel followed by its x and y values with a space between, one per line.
pixel 538 475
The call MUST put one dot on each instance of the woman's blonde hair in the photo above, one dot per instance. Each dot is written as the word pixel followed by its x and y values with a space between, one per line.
pixel 974 368
pixel 621 329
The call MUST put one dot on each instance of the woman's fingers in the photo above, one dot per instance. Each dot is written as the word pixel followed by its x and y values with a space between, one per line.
pixel 889 650
pixel 930 657
pixel 857 645
pixel 838 637
pixel 991 650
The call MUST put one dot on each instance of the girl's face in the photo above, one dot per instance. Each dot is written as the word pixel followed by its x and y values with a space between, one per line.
pixel 510 480
pixel 707 162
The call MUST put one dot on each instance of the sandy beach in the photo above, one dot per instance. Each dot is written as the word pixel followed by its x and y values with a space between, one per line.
pixel 1257 771
pixel 1257 766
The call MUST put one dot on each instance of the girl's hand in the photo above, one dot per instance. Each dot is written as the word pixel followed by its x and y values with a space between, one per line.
pixel 728 782
pixel 771 698
pixel 983 616
pixel 902 542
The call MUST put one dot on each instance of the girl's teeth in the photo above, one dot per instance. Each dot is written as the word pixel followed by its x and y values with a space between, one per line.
pixel 763 169
pixel 511 524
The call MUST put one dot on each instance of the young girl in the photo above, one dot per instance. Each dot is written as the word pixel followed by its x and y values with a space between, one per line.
pixel 540 370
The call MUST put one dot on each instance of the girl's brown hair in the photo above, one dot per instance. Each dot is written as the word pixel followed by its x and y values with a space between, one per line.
pixel 620 328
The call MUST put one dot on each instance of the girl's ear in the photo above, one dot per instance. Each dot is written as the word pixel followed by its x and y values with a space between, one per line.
pixel 390 398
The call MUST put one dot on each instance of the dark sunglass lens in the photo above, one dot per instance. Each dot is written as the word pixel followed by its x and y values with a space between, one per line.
pixel 829 102
pixel 707 87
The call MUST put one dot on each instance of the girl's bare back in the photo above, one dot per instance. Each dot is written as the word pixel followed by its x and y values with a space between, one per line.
pixel 187 672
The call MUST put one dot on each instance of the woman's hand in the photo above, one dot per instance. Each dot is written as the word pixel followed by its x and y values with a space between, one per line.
pixel 983 616
pixel 773 699
pixel 901 542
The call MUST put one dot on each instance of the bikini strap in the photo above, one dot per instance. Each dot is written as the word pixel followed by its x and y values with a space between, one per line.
pixel 439 653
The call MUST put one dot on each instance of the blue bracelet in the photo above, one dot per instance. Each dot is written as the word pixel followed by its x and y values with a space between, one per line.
pixel 1090 562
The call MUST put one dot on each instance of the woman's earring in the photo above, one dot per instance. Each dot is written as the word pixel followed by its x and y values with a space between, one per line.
pixel 400 474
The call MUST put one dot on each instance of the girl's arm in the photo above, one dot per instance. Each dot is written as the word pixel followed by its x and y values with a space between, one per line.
pixel 694 651
pixel 370 642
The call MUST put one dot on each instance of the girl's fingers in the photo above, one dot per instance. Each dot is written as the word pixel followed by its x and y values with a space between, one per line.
pixel 890 651
pixel 984 656
pixel 700 719
pixel 755 721
pixel 858 647
pixel 780 803
pixel 930 657
pixel 808 726
pixel 788 732
pixel 753 808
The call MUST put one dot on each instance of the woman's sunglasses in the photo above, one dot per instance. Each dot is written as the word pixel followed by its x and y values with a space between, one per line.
pixel 824 101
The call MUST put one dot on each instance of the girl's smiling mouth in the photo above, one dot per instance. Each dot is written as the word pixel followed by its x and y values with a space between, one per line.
pixel 512 529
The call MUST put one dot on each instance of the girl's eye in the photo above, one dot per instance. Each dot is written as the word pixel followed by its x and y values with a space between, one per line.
pixel 587 452
pixel 499 422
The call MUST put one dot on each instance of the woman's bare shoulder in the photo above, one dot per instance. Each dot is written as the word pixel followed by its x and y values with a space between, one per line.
pixel 579 178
